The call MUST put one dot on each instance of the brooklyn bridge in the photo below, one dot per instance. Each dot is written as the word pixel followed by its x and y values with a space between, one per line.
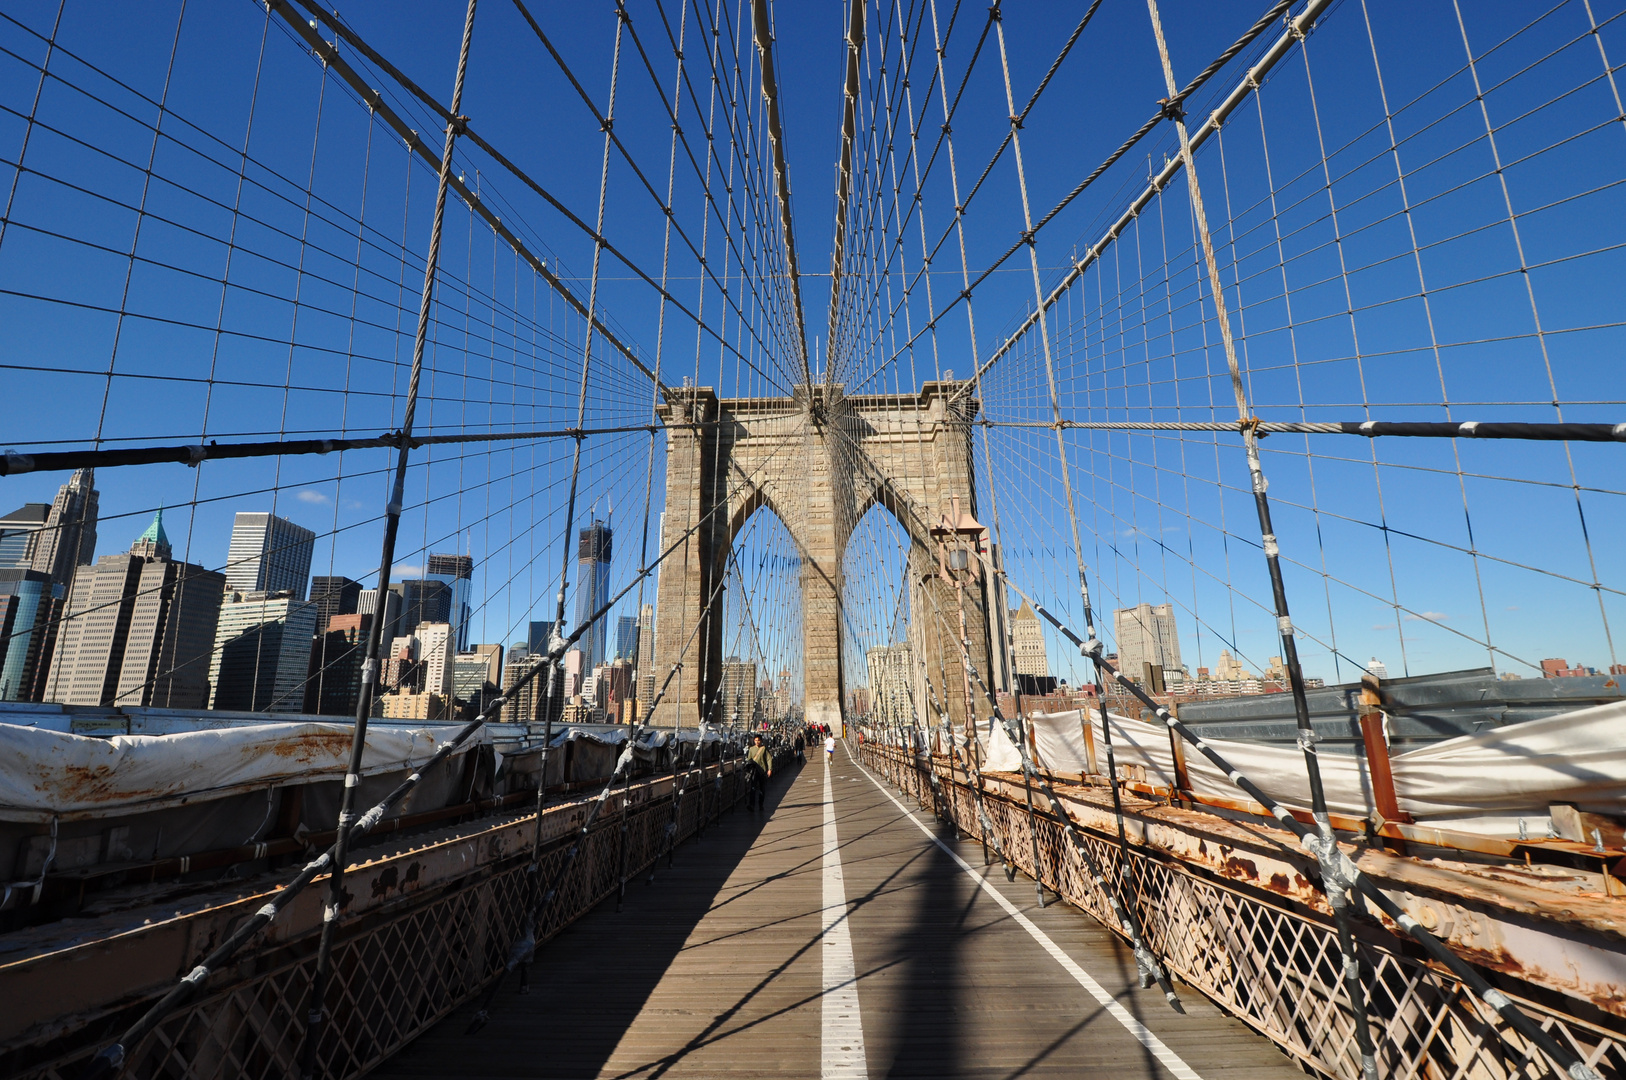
pixel 503 585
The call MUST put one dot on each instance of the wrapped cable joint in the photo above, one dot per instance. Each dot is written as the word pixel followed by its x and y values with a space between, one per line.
pixel 1145 966
pixel 370 818
pixel 1091 648
pixel 1307 738
pixel 524 949
pixel 1338 874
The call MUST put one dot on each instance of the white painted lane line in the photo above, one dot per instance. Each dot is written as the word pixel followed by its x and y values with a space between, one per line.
pixel 1169 1059
pixel 842 1051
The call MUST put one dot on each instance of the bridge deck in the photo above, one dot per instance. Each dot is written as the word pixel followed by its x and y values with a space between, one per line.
pixel 721 968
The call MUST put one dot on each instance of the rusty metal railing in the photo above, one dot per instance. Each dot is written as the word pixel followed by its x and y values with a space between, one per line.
pixel 1273 964
pixel 429 928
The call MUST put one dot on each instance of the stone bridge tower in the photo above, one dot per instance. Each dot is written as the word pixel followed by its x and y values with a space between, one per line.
pixel 818 461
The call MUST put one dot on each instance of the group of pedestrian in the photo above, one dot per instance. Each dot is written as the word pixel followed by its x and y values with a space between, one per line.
pixel 759 760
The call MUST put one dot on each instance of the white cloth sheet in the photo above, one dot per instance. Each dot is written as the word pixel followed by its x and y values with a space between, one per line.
pixel 1479 783
pixel 53 772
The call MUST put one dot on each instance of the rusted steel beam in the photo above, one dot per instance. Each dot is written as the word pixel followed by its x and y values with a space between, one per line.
pixel 1534 924
pixel 138 953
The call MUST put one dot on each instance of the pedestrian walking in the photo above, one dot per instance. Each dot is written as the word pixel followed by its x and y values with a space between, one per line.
pixel 800 745
pixel 829 748
pixel 760 765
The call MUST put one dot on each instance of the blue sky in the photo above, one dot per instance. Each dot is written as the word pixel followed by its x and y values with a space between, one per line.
pixel 1380 555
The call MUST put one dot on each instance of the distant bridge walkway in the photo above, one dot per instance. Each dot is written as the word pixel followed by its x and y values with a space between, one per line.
pixel 834 936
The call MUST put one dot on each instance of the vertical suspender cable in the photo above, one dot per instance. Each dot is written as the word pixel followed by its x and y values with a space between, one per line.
pixel 1326 847
pixel 316 1010
pixel 1145 962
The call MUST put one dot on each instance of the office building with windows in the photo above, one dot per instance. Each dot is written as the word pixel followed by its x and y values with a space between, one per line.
pixel 457 573
pixel 593 589
pixel 137 630
pixel 269 554
pixel 262 652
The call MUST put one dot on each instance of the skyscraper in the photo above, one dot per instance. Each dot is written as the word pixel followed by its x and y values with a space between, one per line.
pixel 1147 637
pixel 891 678
pixel 333 596
pixel 269 554
pixel 537 641
pixel 456 571
pixel 521 704
pixel 262 652
pixel 593 589
pixel 423 600
pixel 436 654
pixel 1027 643
pixel 626 637
pixel 68 540
pixel 25 613
pixel 333 681
pixel 19 534
pixel 137 630
pixel 646 657
pixel 367 604
pixel 738 702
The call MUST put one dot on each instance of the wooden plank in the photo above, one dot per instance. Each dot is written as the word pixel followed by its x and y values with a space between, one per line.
pixel 714 971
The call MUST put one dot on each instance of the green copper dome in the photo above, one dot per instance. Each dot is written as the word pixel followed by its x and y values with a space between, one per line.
pixel 155 531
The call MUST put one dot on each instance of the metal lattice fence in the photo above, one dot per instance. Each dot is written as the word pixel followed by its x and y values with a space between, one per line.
pixel 1272 965
pixel 398 969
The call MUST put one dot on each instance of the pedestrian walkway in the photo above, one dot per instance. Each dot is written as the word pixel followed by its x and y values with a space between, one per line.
pixel 834 937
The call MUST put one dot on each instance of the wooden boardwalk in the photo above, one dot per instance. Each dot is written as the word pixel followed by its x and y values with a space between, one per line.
pixel 719 968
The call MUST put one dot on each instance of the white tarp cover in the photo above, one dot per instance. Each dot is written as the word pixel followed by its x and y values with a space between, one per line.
pixel 53 772
pixel 1480 783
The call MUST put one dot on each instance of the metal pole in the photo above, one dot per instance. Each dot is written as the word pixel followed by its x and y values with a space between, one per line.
pixel 316 1010
pixel 1326 848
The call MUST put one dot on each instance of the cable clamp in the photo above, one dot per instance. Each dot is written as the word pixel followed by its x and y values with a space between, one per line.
pixel 1146 965
pixel 606 124
pixel 1091 648
pixel 1170 109
pixel 1027 237
pixel 1294 29
pixel 1338 874
pixel 1016 122
pixel 1251 426
pixel 459 125
pixel 195 454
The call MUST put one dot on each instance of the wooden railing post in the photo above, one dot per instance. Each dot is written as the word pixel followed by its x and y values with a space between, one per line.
pixel 1091 768
pixel 1378 770
pixel 1182 779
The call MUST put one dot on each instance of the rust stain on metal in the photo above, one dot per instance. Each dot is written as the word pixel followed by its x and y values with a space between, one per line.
pixel 385 881
pixel 312 746
pixel 1234 868
pixel 79 783
pixel 1279 884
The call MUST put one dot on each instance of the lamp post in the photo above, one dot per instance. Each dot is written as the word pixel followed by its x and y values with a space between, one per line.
pixel 955 534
